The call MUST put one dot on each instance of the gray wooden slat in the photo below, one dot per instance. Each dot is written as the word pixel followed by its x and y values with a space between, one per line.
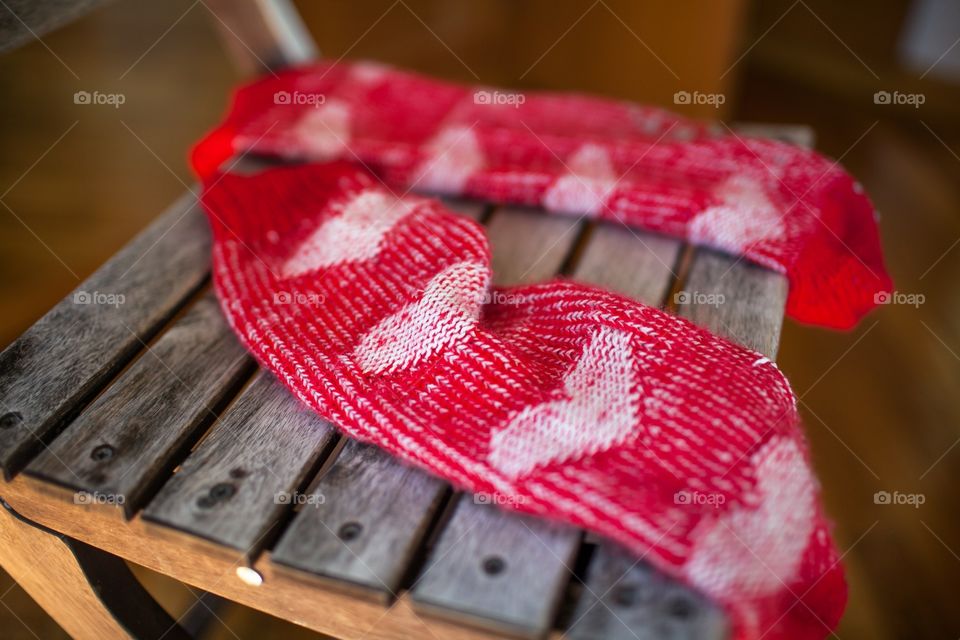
pixel 622 598
pixel 237 483
pixel 362 523
pixel 731 296
pixel 374 512
pixel 627 599
pixel 503 571
pixel 529 245
pixel 536 556
pixel 72 351
pixel 798 134
pixel 128 438
pixel 735 299
pixel 628 261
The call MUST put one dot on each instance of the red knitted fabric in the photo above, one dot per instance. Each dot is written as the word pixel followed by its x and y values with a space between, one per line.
pixel 564 400
pixel 784 207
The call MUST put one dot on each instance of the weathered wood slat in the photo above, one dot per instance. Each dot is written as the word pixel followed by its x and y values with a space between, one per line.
pixel 622 598
pixel 367 514
pixel 236 484
pixel 363 522
pixel 63 359
pixel 735 299
pixel 502 571
pixel 626 599
pixel 636 264
pixel 530 559
pixel 128 438
pixel 528 245
pixel 798 134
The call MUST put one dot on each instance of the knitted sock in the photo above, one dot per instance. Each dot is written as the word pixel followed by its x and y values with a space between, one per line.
pixel 568 401
pixel 783 207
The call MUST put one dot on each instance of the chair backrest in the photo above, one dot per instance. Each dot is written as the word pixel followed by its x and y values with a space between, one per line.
pixel 259 35
pixel 262 35
pixel 22 21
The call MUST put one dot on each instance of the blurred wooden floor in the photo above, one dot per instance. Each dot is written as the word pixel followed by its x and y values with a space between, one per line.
pixel 880 403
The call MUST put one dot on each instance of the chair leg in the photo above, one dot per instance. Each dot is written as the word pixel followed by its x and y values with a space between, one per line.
pixel 90 593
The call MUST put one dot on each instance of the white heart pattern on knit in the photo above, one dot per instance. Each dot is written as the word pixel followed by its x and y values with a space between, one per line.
pixel 599 411
pixel 454 156
pixel 446 314
pixel 744 217
pixel 323 132
pixel 757 549
pixel 353 236
pixel 588 184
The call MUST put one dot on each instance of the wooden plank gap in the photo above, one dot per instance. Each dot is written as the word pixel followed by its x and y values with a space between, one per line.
pixel 577 248
pixel 682 271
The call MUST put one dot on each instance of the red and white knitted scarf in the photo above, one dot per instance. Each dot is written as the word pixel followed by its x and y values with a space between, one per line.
pixel 568 401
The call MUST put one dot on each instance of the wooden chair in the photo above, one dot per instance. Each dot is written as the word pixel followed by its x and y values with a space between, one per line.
pixel 142 431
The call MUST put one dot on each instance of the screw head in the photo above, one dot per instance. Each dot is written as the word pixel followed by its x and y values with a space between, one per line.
pixel 102 453
pixel 250 576
pixel 680 607
pixel 493 565
pixel 10 420
pixel 624 595
pixel 222 491
pixel 350 531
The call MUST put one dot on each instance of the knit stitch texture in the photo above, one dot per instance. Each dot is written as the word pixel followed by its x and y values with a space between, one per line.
pixel 567 401
pixel 786 208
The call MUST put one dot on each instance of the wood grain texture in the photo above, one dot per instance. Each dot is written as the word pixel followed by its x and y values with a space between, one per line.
pixel 91 594
pixel 636 264
pixel 502 571
pixel 626 599
pixel 735 299
pixel 528 245
pixel 63 359
pixel 622 598
pixel 363 522
pixel 128 438
pixel 211 567
pixel 237 483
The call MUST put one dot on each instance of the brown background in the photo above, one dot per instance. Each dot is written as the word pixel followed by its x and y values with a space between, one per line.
pixel 880 403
